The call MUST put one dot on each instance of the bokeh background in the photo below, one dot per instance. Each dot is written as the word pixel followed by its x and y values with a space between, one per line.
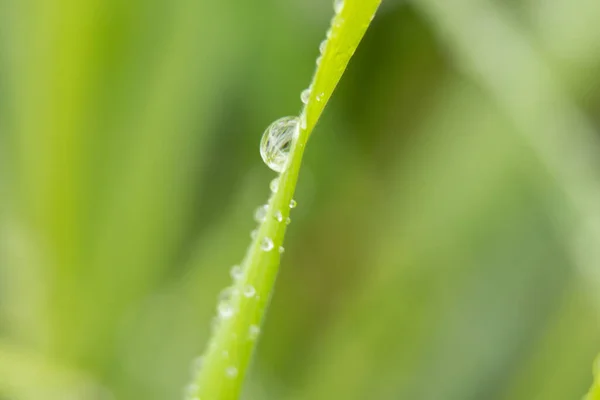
pixel 446 241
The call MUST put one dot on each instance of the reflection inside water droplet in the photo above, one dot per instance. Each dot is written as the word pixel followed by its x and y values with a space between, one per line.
pixel 277 141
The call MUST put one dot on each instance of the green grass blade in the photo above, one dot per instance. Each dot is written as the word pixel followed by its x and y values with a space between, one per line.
pixel 230 349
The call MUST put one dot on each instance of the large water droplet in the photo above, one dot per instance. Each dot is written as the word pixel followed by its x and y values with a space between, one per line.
pixel 338 6
pixel 266 244
pixel 274 185
pixel 231 372
pixel 261 213
pixel 276 142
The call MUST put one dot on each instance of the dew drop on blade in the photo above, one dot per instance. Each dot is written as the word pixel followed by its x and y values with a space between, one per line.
pixel 323 46
pixel 281 249
pixel 338 6
pixel 274 185
pixel 236 272
pixel 278 216
pixel 261 213
pixel 197 365
pixel 266 244
pixel 225 294
pixel 191 389
pixel 305 95
pixel 249 291
pixel 225 310
pixel 277 141
pixel 293 203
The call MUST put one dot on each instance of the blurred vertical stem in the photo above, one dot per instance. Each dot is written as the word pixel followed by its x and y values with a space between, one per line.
pixel 483 37
pixel 226 360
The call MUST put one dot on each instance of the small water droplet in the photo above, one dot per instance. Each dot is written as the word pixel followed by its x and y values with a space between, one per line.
pixel 303 121
pixel 236 272
pixel 231 372
pixel 319 60
pixel 281 249
pixel 266 244
pixel 249 291
pixel 322 46
pixel 305 95
pixel 288 220
pixel 191 390
pixel 225 294
pixel 225 310
pixel 293 203
pixel 253 332
pixel 338 6
pixel 197 365
pixel 276 142
pixel 261 213
pixel 254 234
pixel 320 96
pixel 274 185
pixel 278 216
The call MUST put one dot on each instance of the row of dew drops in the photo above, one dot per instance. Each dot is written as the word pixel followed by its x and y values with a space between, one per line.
pixel 275 147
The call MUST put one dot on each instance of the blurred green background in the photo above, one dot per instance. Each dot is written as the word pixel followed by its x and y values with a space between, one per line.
pixel 445 245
